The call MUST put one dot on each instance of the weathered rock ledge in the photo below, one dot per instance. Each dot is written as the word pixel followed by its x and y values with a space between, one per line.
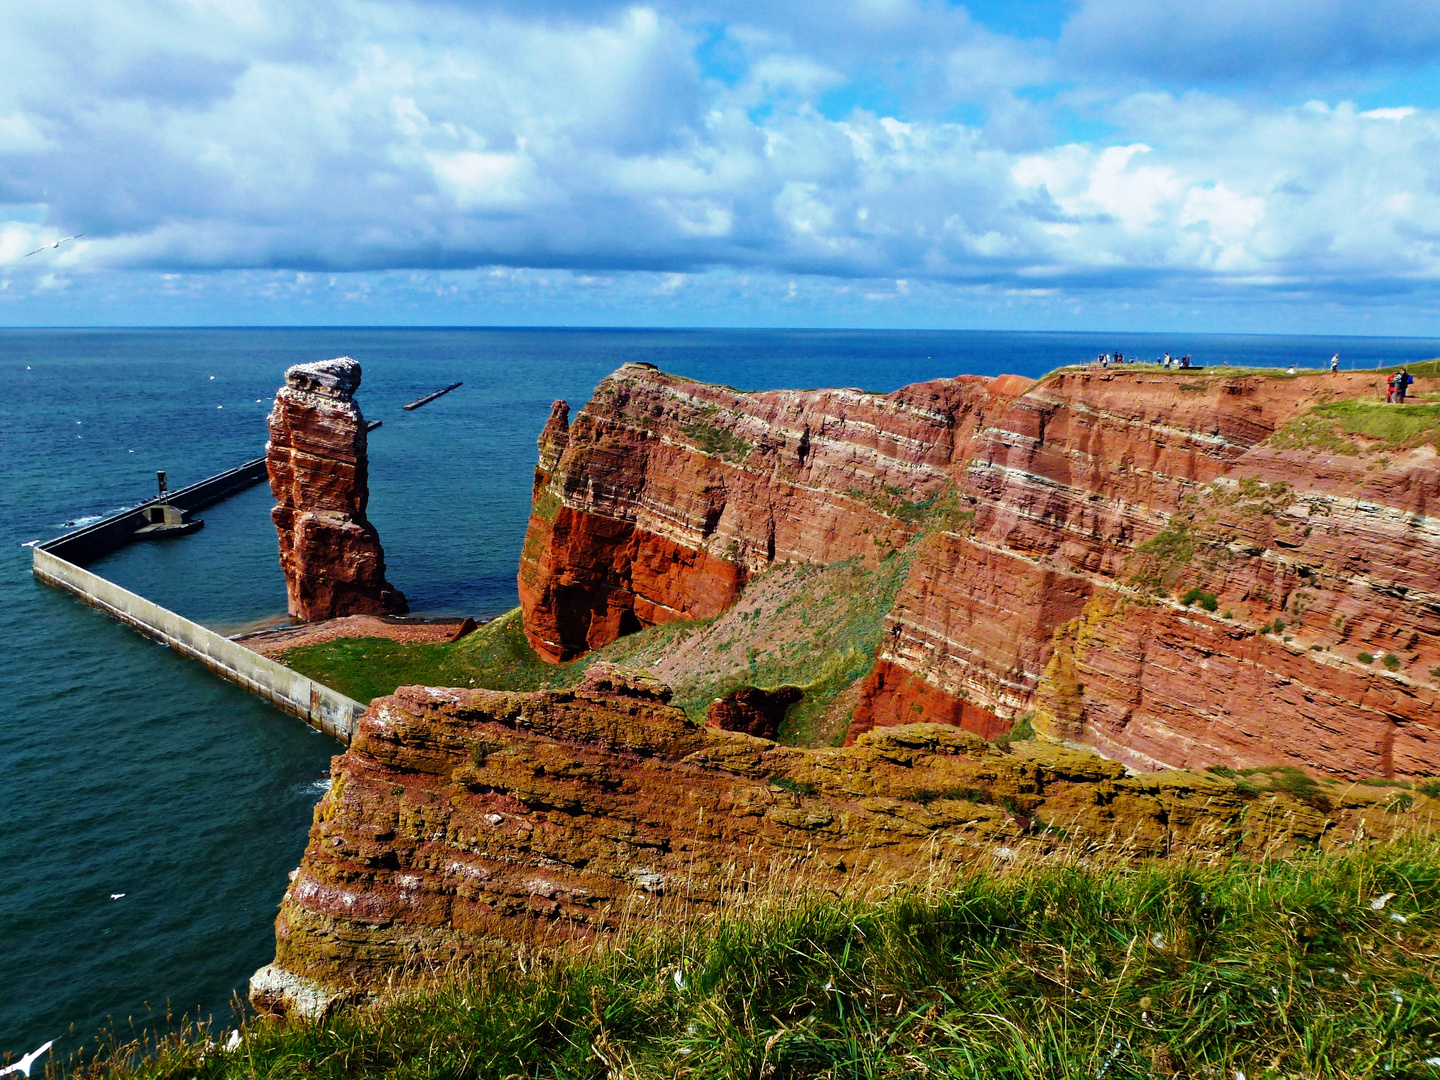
pixel 469 822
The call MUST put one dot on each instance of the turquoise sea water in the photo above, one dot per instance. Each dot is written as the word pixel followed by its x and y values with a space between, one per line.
pixel 127 769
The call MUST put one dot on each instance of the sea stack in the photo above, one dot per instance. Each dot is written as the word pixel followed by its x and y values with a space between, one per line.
pixel 332 558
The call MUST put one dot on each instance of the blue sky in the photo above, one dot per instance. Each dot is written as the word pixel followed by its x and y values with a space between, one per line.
pixel 1079 164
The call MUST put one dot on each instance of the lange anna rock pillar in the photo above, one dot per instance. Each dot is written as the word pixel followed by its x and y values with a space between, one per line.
pixel 332 558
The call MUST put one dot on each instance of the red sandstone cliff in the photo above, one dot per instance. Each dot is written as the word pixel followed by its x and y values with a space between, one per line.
pixel 665 495
pixel 1092 502
pixel 462 822
pixel 330 553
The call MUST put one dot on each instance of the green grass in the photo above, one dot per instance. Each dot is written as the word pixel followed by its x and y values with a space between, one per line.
pixel 367 668
pixel 1424 369
pixel 1197 595
pixel 820 633
pixel 1398 425
pixel 1311 432
pixel 1156 563
pixel 1275 969
pixel 495 656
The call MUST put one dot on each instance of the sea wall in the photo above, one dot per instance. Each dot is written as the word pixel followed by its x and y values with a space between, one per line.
pixel 318 705
pixel 114 532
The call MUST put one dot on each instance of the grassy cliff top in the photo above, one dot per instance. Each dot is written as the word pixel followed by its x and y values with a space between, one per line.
pixel 1318 967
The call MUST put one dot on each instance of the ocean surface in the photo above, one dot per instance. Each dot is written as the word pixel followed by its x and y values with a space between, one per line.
pixel 149 812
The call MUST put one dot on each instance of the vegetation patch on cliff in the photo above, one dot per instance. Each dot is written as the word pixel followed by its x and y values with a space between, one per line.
pixel 1397 425
pixel 717 441
pixel 1321 966
pixel 1158 563
pixel 1335 426
pixel 814 627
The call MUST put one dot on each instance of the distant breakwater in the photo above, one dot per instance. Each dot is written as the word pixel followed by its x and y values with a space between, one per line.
pixel 318 705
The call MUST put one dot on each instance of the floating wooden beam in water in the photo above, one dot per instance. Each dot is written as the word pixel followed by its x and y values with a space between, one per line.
pixel 430 397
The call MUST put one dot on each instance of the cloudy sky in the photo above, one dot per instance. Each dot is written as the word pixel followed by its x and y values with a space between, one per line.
pixel 1085 164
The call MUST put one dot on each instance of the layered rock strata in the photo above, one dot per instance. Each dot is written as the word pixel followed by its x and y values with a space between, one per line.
pixel 665 495
pixel 470 822
pixel 1064 524
pixel 330 553
pixel 1102 499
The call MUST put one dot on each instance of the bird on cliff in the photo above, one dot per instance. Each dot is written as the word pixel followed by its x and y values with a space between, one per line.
pixel 56 244
pixel 23 1065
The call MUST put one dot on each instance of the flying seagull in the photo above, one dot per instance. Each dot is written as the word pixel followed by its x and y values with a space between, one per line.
pixel 37 251
pixel 23 1065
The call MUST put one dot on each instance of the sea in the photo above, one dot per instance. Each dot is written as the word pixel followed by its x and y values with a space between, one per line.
pixel 149 813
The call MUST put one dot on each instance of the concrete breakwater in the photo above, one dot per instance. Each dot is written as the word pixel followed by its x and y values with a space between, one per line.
pixel 318 705
pixel 114 532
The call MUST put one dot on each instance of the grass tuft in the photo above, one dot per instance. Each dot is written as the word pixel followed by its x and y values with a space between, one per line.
pixel 1067 970
pixel 1207 600
pixel 1398 425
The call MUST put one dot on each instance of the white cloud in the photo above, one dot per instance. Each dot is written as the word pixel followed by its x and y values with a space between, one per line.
pixel 1390 114
pixel 358 136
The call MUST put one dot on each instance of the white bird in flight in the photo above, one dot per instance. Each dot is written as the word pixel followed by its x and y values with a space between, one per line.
pixel 41 248
pixel 23 1065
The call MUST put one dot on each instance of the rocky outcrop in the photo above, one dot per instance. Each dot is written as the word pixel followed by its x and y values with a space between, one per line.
pixel 468 822
pixel 1059 528
pixel 752 710
pixel 329 551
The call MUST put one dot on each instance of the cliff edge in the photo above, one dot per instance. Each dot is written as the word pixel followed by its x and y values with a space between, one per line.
pixel 463 823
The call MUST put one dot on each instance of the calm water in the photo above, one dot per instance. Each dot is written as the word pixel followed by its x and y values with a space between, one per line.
pixel 129 770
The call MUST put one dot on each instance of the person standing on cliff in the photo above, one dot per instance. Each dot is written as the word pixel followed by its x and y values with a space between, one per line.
pixel 1390 390
pixel 1334 363
pixel 1402 385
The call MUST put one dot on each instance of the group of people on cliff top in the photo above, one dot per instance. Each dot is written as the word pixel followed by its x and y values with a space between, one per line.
pixel 1106 359
pixel 1397 386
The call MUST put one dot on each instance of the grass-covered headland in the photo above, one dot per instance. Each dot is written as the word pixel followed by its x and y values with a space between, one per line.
pixel 1320 966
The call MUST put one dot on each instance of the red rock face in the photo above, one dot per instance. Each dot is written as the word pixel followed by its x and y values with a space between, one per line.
pixel 1051 606
pixel 329 551
pixel 472 822
pixel 1092 502
pixel 752 710
pixel 666 495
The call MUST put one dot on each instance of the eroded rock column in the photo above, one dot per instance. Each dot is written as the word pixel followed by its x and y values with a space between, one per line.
pixel 332 558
